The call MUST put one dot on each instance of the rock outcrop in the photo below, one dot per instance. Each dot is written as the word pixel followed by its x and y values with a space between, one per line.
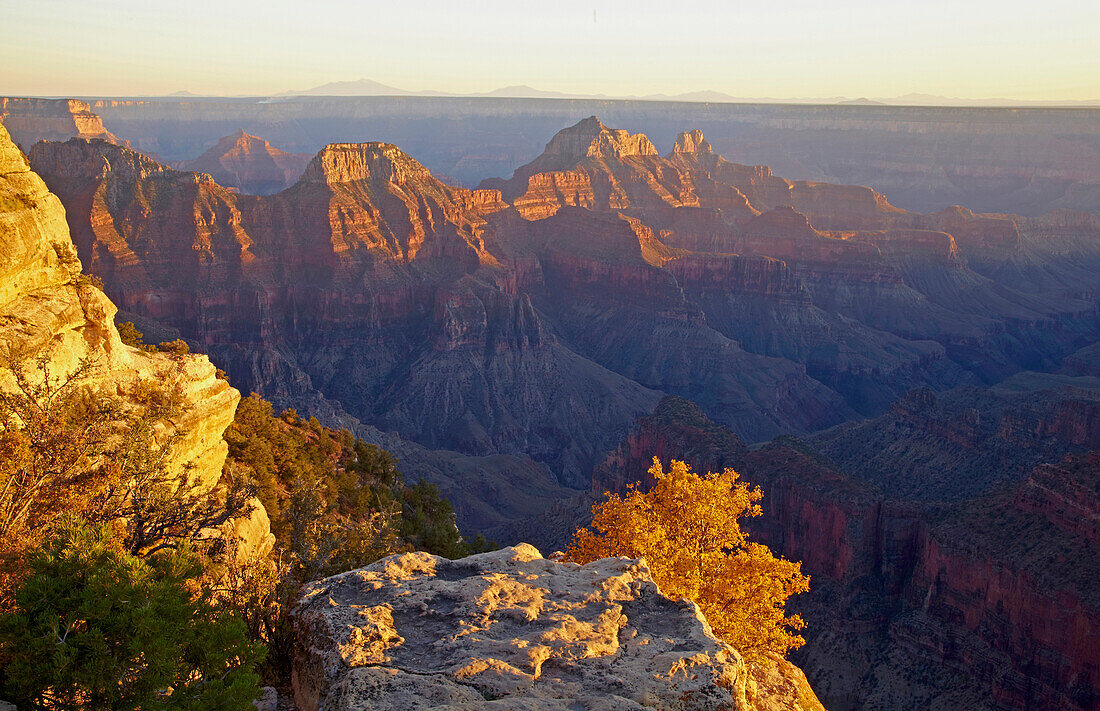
pixel 511 630
pixel 249 164
pixel 31 120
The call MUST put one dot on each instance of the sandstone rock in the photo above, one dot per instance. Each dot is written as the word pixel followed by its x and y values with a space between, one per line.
pixel 512 630
pixel 48 307
pixel 778 685
pixel 691 142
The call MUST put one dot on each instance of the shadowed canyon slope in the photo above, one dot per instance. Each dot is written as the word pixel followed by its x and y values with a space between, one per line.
pixel 538 316
pixel 948 569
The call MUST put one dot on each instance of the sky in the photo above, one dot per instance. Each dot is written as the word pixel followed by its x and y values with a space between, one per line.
pixel 1028 50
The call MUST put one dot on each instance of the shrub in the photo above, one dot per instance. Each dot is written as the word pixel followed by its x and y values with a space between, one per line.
pixel 97 628
pixel 686 527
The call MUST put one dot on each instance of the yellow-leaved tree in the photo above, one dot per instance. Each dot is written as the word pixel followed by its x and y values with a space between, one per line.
pixel 686 527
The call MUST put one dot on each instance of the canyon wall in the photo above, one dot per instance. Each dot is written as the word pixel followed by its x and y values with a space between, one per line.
pixel 52 313
pixel 376 296
pixel 995 592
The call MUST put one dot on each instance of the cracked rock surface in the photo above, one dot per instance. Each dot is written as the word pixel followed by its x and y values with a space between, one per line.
pixel 507 630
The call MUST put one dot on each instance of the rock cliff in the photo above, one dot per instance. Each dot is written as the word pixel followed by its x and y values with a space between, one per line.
pixel 511 630
pixel 50 309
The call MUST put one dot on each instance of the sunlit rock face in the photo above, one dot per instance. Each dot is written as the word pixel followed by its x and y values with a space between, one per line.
pixel 49 309
pixel 512 630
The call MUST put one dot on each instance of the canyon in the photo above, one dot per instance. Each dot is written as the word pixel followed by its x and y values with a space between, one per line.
pixel 915 393
pixel 921 593
pixel 1015 160
pixel 602 274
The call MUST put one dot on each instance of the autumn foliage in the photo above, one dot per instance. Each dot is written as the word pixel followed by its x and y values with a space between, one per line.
pixel 687 528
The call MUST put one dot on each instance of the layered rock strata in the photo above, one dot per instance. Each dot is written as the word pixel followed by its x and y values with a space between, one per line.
pixel 509 321
pixel 381 288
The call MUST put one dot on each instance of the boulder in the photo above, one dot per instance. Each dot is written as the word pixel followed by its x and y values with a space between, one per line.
pixel 508 630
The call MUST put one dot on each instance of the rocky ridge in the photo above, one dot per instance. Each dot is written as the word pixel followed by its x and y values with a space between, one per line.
pixel 510 630
pixel 1021 160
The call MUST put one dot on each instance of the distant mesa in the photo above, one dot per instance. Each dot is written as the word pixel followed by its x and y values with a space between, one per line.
pixel 691 142
pixel 31 120
pixel 589 138
pixel 360 87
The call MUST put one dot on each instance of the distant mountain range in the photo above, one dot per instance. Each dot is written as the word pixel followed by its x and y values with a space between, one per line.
pixel 369 87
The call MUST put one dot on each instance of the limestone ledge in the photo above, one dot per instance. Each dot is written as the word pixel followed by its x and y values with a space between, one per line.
pixel 512 630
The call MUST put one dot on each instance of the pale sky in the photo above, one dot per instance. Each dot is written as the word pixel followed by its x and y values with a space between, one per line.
pixel 1018 49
